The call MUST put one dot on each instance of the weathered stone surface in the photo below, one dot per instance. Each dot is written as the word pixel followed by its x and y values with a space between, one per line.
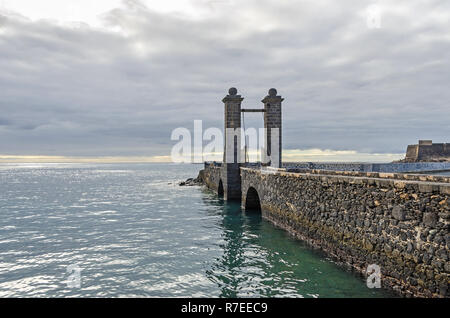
pixel 426 187
pixel 426 150
pixel 398 213
pixel 359 220
pixel 359 214
pixel 430 219
pixel 191 182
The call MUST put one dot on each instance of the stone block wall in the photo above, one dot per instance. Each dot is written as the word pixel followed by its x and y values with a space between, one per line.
pixel 338 166
pixel 428 151
pixel 434 151
pixel 211 176
pixel 230 176
pixel 412 153
pixel 273 120
pixel 384 175
pixel 231 180
pixel 397 222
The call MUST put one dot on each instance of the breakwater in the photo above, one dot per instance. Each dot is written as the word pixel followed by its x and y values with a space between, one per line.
pixel 398 221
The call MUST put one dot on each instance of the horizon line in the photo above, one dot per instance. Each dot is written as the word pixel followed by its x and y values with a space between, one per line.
pixel 289 155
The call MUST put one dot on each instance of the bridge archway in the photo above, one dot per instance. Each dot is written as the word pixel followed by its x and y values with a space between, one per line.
pixel 220 189
pixel 252 200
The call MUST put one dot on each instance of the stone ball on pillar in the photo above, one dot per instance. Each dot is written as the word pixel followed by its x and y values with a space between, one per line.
pixel 232 91
pixel 273 92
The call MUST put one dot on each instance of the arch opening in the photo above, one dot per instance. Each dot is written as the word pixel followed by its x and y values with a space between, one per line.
pixel 220 189
pixel 252 201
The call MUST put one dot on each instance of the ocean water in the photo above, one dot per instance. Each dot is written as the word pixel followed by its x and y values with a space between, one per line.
pixel 131 231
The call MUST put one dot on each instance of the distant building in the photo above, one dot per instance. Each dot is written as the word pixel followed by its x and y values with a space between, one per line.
pixel 426 150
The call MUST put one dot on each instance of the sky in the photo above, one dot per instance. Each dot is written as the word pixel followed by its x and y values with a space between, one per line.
pixel 112 79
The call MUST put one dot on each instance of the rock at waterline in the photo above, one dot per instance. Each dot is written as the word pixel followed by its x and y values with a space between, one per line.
pixel 191 182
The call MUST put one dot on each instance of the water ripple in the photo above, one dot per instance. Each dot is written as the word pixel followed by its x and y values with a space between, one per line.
pixel 132 232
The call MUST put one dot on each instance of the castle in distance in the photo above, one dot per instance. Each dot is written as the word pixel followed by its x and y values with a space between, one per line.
pixel 427 151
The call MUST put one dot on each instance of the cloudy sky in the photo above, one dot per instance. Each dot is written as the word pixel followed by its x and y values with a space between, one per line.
pixel 114 78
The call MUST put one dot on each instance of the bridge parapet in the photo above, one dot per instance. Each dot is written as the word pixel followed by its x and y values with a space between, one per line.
pixel 383 175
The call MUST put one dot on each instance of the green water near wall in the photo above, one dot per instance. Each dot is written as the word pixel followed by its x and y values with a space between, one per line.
pixel 262 260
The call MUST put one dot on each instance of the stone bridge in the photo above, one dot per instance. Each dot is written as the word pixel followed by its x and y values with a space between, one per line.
pixel 359 217
pixel 397 221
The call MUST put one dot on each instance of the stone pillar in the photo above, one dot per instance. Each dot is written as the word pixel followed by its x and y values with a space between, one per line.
pixel 231 178
pixel 272 120
pixel 232 131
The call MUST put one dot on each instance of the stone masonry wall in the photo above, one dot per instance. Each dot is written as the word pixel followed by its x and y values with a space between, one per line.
pixel 428 152
pixel 227 173
pixel 397 223
pixel 211 176
pixel 435 151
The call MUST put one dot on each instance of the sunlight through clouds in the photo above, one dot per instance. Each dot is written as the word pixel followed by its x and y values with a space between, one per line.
pixel 114 78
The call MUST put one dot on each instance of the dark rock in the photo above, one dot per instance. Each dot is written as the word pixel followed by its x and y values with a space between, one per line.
pixel 191 182
pixel 398 213
pixel 443 290
pixel 430 219
pixel 409 247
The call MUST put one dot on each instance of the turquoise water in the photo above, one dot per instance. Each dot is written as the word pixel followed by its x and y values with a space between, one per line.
pixel 133 232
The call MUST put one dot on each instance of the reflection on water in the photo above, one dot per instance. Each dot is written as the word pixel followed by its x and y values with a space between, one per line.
pixel 260 260
pixel 134 232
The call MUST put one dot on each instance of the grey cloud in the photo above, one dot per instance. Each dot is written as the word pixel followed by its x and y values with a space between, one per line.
pixel 87 91
pixel 4 122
